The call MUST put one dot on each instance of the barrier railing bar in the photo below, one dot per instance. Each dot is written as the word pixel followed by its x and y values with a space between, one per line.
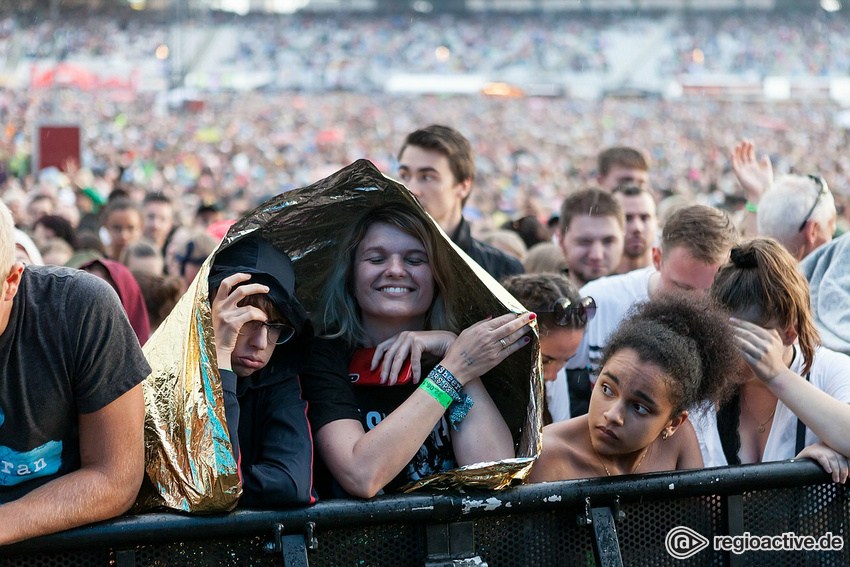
pixel 429 507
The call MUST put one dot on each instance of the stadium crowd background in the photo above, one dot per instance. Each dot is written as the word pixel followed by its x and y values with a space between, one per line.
pixel 323 106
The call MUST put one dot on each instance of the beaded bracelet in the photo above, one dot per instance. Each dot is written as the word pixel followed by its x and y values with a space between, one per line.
pixel 448 383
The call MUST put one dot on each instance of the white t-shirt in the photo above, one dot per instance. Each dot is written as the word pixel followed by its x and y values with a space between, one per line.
pixel 558 397
pixel 614 296
pixel 830 373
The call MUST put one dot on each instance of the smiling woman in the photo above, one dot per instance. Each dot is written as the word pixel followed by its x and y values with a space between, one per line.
pixel 390 290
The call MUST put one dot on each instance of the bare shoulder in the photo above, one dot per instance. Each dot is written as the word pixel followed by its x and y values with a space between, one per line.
pixel 686 448
pixel 560 451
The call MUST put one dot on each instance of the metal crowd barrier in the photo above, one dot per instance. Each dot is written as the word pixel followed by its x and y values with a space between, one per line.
pixel 603 522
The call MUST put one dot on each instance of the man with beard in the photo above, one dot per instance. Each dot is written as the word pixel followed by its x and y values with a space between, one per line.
pixel 590 233
pixel 641 226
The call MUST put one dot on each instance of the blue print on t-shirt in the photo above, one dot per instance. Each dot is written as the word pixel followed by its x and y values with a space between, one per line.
pixel 17 467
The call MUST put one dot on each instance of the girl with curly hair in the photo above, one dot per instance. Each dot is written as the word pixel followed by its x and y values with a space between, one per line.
pixel 674 353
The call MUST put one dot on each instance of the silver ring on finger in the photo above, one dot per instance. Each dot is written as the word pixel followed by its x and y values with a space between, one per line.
pixel 503 343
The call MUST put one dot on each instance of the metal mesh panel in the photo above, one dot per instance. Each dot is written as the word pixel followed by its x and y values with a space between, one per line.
pixel 390 545
pixel 645 525
pixel 221 553
pixel 93 558
pixel 539 538
pixel 810 510
pixel 542 539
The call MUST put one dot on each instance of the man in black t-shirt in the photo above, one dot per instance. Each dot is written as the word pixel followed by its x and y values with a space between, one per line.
pixel 71 408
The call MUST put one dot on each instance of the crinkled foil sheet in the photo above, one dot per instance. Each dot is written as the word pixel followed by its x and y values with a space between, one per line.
pixel 188 456
pixel 306 224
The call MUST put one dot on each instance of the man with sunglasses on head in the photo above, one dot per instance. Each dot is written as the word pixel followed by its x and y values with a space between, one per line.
pixel 799 212
pixel 263 338
pixel 695 242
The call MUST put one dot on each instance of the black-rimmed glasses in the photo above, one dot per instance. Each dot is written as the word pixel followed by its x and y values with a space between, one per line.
pixel 823 189
pixel 278 333
pixel 564 311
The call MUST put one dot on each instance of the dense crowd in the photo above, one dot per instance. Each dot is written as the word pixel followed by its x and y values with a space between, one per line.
pixel 529 152
pixel 642 368
pixel 359 51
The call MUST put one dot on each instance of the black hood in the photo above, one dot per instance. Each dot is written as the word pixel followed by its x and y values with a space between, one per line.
pixel 269 266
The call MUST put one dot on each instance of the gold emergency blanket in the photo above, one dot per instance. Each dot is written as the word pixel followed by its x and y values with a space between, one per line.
pixel 190 466
pixel 188 457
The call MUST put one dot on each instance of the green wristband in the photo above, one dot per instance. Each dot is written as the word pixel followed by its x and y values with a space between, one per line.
pixel 437 393
pixel 752 208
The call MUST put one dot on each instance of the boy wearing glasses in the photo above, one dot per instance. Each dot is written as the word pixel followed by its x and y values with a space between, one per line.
pixel 263 337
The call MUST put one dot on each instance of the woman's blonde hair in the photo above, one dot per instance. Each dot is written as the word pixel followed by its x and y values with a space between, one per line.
pixel 341 316
pixel 762 274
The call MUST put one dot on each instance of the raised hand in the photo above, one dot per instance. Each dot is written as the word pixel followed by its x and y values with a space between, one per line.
pixel 228 317
pixel 755 176
pixel 762 349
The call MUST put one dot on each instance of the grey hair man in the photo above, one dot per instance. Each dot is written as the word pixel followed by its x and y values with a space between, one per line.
pixel 799 212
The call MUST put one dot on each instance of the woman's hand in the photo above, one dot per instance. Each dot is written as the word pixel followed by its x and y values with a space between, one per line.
pixel 395 351
pixel 832 461
pixel 228 317
pixel 485 344
pixel 761 349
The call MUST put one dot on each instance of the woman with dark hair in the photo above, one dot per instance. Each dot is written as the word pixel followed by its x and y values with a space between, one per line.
pixel 390 290
pixel 562 315
pixel 793 393
pixel 674 353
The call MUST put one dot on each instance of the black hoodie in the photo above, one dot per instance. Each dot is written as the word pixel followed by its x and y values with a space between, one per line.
pixel 272 444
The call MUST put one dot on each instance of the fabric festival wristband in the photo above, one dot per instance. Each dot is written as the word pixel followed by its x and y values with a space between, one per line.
pixel 436 392
pixel 458 410
pixel 446 380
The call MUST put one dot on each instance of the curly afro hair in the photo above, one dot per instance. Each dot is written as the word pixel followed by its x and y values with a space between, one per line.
pixel 689 337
